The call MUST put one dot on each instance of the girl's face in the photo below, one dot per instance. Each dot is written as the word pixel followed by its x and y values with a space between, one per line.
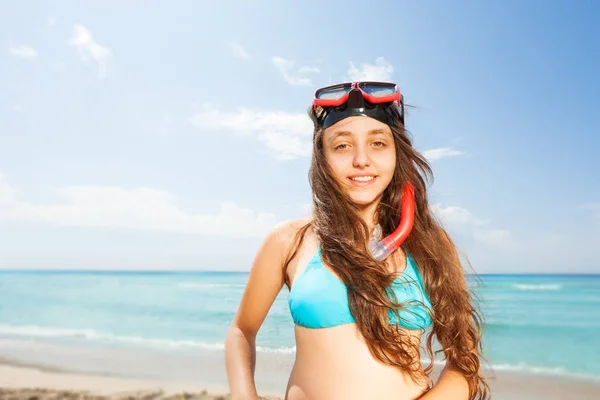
pixel 362 156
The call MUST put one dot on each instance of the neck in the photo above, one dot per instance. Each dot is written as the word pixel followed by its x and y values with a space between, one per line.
pixel 368 215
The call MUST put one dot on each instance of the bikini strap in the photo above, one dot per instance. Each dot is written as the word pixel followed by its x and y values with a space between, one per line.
pixel 315 259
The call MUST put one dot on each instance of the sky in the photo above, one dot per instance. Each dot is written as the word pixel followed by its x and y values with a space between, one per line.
pixel 148 135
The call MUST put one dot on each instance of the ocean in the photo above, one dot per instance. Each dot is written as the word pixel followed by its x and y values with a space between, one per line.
pixel 535 324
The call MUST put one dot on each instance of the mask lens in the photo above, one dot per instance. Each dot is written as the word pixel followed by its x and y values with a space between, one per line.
pixel 379 89
pixel 333 92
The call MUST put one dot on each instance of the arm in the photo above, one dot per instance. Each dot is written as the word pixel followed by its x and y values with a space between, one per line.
pixel 264 284
pixel 451 384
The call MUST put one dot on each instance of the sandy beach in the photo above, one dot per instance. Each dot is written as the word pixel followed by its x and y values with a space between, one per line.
pixel 19 381
pixel 27 382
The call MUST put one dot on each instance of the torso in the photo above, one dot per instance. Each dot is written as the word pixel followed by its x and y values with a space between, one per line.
pixel 335 363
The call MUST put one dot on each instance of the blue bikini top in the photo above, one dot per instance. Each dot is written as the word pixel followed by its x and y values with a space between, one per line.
pixel 318 299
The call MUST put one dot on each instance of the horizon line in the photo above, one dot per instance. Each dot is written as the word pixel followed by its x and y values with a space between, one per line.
pixel 81 270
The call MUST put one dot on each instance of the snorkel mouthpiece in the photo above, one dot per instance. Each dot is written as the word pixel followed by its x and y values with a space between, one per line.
pixel 381 249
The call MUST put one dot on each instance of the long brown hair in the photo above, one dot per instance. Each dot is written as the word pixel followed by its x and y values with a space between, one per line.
pixel 457 321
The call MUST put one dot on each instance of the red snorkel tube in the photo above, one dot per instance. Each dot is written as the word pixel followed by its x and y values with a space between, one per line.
pixel 381 249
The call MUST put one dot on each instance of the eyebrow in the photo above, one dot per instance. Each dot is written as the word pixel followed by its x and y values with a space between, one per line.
pixel 348 133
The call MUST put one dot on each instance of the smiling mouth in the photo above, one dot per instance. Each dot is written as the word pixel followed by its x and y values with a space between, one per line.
pixel 362 178
pixel 362 181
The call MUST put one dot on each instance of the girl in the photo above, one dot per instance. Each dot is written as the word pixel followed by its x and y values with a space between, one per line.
pixel 361 305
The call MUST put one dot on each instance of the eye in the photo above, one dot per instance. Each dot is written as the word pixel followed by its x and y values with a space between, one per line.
pixel 379 144
pixel 340 146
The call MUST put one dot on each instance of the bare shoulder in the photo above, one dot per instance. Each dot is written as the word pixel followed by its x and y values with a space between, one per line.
pixel 285 232
pixel 266 276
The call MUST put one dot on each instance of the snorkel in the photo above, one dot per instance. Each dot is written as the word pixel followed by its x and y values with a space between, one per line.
pixel 381 249
pixel 375 100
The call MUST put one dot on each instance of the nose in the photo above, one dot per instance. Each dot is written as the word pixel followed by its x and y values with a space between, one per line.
pixel 361 157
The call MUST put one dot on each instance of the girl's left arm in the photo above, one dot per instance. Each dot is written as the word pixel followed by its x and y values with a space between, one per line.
pixel 451 384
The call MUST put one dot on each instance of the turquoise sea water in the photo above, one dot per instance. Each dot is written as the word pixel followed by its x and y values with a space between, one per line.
pixel 543 324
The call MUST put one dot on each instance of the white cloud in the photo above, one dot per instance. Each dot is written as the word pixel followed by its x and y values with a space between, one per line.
pixel 443 152
pixel 594 207
pixel 296 210
pixel 238 51
pixel 286 135
pixel 380 71
pixel 457 215
pixel 462 220
pixel 286 68
pixel 23 51
pixel 140 209
pixel 495 237
pixel 89 49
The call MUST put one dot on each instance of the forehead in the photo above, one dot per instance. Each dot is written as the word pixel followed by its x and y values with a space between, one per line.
pixel 356 126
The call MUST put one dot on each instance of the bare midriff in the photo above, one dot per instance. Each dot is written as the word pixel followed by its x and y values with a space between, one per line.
pixel 335 363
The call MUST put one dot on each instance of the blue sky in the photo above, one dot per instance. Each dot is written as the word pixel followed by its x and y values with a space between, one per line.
pixel 162 135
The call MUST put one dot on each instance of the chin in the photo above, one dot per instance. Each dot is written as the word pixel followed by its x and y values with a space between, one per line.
pixel 364 199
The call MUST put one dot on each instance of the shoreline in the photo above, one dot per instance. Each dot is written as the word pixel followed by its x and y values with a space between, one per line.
pixel 22 380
